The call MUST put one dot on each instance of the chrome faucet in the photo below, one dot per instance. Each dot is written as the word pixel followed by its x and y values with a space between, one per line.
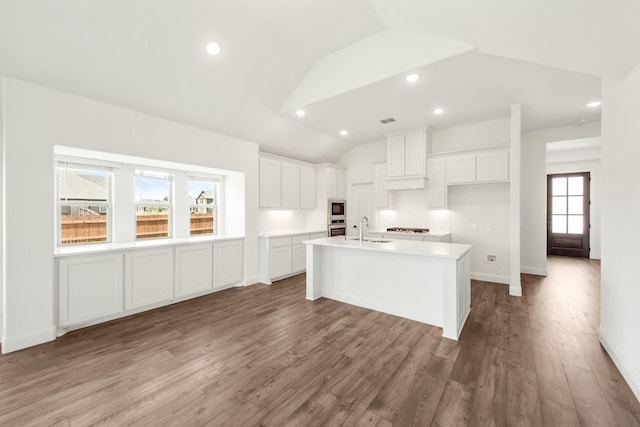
pixel 364 222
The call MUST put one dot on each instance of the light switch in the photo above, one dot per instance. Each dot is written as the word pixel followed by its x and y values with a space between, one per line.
pixel 474 227
pixel 488 227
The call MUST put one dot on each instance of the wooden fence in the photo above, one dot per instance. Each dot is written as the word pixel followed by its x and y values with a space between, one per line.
pixel 93 228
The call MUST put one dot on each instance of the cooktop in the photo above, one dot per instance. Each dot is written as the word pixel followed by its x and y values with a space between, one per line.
pixel 408 230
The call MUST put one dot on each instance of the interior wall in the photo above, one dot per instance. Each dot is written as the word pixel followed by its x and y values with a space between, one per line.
pixel 282 220
pixel 38 118
pixel 472 135
pixel 533 203
pixel 594 166
pixel 620 316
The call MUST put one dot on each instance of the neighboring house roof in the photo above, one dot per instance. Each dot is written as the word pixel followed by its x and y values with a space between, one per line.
pixel 208 196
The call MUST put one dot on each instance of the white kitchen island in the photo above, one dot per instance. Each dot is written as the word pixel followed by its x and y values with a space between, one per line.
pixel 424 281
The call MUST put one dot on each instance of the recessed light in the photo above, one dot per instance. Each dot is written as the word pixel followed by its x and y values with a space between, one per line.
pixel 301 113
pixel 413 77
pixel 213 48
pixel 582 121
pixel 344 132
pixel 594 104
pixel 438 110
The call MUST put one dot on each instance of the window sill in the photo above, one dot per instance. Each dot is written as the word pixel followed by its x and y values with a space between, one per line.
pixel 97 248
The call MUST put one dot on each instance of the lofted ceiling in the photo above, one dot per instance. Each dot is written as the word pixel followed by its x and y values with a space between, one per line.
pixel 342 62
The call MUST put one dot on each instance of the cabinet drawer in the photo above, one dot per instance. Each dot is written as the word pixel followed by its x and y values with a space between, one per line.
pixel 299 239
pixel 279 242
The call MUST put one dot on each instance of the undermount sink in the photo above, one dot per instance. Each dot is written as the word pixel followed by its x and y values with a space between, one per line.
pixel 369 240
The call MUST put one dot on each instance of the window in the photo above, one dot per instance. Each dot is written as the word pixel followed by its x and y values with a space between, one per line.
pixel 153 203
pixel 84 203
pixel 202 210
pixel 567 204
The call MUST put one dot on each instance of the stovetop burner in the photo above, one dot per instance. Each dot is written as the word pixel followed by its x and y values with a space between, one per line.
pixel 408 230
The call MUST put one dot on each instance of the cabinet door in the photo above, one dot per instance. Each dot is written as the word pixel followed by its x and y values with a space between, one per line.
pixel 148 277
pixel 194 269
pixel 89 288
pixel 332 183
pixel 461 169
pixel 382 196
pixel 299 261
pixel 228 263
pixel 437 184
pixel 307 188
pixel 395 156
pixel 290 186
pixel 280 261
pixel 341 181
pixel 493 166
pixel 270 183
pixel 415 155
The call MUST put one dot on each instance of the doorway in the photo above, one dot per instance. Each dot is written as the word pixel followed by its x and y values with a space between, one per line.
pixel 568 221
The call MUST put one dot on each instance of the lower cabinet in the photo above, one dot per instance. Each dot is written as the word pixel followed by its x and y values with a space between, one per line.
pixel 228 262
pixel 281 261
pixel 89 288
pixel 149 277
pixel 96 287
pixel 419 237
pixel 283 256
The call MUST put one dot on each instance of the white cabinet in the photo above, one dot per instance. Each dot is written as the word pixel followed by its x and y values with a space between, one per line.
pixel 406 160
pixel 193 269
pixel 336 184
pixel 280 262
pixel 382 196
pixel 492 166
pixel 270 183
pixel 89 288
pixel 284 255
pixel 148 277
pixel 438 192
pixel 410 236
pixel 482 167
pixel 286 185
pixel 228 263
pixel 307 188
pixel 299 253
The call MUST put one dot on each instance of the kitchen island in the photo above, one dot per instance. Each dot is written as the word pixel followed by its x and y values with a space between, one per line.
pixel 424 281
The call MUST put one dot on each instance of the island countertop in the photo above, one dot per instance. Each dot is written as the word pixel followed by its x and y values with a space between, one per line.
pixel 407 247
pixel 432 233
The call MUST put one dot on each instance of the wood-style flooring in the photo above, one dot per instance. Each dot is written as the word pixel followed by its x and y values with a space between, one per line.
pixel 263 355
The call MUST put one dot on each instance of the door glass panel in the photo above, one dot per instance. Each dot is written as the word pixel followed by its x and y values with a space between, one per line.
pixel 575 186
pixel 559 224
pixel 575 205
pixel 575 224
pixel 559 205
pixel 559 186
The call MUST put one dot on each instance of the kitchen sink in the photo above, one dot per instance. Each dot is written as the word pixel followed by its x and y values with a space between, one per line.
pixel 370 239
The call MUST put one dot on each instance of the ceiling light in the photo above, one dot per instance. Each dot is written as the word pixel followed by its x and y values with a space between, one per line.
pixel 213 48
pixel 413 77
pixel 344 132
pixel 594 104
pixel 438 110
pixel 301 113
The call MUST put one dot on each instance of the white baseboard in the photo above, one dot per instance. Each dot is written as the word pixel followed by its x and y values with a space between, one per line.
pixel 534 270
pixel 634 383
pixel 252 280
pixel 495 278
pixel 28 340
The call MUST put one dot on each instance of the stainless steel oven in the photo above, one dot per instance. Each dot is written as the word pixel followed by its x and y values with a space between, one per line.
pixel 336 230
pixel 337 217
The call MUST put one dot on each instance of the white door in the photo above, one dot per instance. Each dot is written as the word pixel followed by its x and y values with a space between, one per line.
pixel 362 201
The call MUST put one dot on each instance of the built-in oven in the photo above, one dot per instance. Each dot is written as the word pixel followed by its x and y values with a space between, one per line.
pixel 336 230
pixel 336 218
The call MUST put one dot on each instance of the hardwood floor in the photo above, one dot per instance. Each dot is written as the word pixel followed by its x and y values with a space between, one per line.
pixel 263 355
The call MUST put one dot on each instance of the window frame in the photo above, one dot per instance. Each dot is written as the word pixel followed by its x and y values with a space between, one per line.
pixel 169 205
pixel 217 181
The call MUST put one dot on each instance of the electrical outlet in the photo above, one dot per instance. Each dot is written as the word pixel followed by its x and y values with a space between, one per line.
pixel 488 227
pixel 474 227
pixel 491 259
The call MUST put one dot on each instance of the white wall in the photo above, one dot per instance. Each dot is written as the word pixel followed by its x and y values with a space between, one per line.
pixel 556 163
pixel 620 315
pixel 472 135
pixel 282 219
pixel 38 118
pixel 533 232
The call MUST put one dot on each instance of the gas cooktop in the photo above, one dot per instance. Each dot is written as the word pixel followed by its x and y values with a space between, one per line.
pixel 407 230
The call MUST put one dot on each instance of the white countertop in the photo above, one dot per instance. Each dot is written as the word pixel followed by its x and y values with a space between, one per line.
pixel 409 247
pixel 430 233
pixel 139 244
pixel 290 232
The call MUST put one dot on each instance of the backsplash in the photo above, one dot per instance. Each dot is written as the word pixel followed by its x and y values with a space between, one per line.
pixel 411 209
pixel 281 220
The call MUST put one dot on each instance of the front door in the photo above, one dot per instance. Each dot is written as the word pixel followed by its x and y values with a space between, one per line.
pixel 568 214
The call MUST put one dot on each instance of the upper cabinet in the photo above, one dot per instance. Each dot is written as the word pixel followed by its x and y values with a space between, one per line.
pixel 407 160
pixel 487 166
pixel 331 182
pixel 286 185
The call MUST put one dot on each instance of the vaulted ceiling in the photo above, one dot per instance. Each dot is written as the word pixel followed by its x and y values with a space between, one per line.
pixel 343 62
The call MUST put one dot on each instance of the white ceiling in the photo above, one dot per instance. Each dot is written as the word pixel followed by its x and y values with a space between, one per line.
pixel 149 55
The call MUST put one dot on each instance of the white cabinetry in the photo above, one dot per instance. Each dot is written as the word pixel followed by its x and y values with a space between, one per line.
pixel 283 255
pixel 438 194
pixel 441 237
pixel 487 166
pixel 148 277
pixel 382 196
pixel 286 185
pixel 336 184
pixel 406 160
pixel 194 267
pixel 228 262
pixel 270 183
pixel 89 288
